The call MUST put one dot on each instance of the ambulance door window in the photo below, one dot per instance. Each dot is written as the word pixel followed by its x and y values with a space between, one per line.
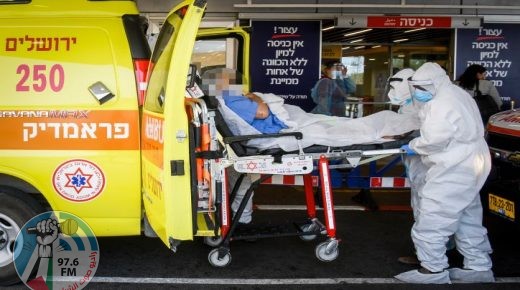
pixel 215 53
pixel 160 65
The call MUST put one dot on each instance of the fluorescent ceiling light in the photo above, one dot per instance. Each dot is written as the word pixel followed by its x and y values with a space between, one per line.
pixel 376 46
pixel 345 47
pixel 400 55
pixel 328 28
pixel 413 30
pixel 371 59
pixel 359 47
pixel 401 40
pixel 357 40
pixel 358 32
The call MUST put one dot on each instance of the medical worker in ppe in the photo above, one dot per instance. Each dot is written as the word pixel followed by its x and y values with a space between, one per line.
pixel 452 147
pixel 399 94
pixel 330 93
pixel 399 91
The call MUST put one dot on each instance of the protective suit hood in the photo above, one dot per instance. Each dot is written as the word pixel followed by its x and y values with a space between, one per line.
pixel 399 92
pixel 430 74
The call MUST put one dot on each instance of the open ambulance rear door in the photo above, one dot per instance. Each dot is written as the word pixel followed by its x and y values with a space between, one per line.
pixel 167 181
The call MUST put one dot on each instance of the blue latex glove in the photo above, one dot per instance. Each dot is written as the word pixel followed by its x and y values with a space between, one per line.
pixel 407 150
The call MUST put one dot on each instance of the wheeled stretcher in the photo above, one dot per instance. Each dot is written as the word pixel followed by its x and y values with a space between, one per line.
pixel 216 148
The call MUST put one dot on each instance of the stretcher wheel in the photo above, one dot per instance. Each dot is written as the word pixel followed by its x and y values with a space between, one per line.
pixel 215 261
pixel 327 251
pixel 213 241
pixel 306 229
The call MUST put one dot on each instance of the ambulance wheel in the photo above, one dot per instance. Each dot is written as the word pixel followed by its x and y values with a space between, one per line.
pixel 307 229
pixel 16 209
pixel 215 261
pixel 327 251
pixel 213 241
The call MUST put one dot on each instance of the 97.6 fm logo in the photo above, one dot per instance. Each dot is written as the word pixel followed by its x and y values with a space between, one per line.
pixel 56 250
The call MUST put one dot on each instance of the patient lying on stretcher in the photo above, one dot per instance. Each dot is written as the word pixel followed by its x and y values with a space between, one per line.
pixel 256 113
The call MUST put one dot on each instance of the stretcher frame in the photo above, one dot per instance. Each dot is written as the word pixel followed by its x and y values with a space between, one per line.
pixel 216 149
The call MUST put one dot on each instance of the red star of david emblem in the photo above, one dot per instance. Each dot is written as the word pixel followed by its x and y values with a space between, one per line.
pixel 78 180
pixel 251 165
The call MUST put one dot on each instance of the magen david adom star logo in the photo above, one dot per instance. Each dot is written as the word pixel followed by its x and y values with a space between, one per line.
pixel 56 250
pixel 78 180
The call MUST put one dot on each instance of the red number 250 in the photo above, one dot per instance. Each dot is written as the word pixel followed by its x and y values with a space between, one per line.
pixel 41 77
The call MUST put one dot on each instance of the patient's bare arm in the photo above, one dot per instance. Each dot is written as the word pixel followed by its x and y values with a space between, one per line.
pixel 262 111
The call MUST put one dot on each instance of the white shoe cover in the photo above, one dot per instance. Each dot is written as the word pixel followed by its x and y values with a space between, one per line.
pixel 471 276
pixel 417 277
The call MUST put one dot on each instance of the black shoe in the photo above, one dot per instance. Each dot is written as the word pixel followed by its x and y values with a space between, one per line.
pixel 364 197
pixel 408 260
pixel 426 271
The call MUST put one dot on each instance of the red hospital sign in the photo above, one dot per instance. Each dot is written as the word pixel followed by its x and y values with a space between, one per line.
pixel 408 21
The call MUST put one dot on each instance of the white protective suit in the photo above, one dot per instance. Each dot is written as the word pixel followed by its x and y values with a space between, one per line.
pixel 453 147
pixel 399 94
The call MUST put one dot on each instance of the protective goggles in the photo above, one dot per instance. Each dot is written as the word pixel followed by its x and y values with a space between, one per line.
pixel 389 85
pixel 425 85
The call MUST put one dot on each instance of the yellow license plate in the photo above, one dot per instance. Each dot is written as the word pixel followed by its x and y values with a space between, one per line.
pixel 502 206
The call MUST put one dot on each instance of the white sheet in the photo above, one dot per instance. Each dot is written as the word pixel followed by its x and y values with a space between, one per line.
pixel 321 129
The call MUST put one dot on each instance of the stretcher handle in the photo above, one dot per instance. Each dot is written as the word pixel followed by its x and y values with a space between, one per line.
pixel 382 152
pixel 197 137
pixel 228 140
pixel 218 203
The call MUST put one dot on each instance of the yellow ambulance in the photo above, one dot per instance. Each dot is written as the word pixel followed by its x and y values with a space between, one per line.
pixel 77 134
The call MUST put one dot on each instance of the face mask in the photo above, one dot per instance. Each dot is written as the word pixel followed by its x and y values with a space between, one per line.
pixel 393 98
pixel 398 100
pixel 336 75
pixel 231 90
pixel 398 92
pixel 422 96
pixel 236 90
